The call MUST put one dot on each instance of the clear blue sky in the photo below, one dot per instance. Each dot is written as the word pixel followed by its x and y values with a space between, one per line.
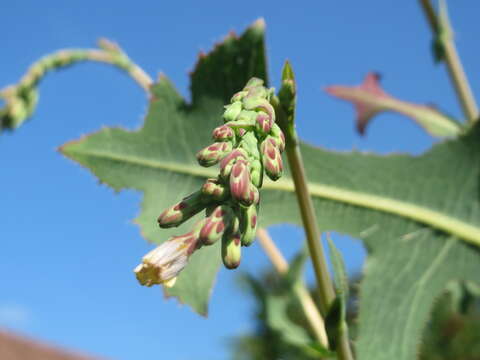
pixel 67 245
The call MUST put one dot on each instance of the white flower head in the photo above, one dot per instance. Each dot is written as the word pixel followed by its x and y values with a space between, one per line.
pixel 164 263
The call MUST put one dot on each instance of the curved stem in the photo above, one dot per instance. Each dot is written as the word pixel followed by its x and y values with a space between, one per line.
pixel 454 64
pixel 21 99
pixel 109 53
pixel 312 314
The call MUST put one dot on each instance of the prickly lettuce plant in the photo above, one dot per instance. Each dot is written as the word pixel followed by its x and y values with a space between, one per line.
pixel 417 216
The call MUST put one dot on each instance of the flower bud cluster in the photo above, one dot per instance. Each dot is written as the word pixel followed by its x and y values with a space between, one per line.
pixel 246 146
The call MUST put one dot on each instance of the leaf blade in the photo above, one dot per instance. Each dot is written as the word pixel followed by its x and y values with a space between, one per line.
pixel 387 201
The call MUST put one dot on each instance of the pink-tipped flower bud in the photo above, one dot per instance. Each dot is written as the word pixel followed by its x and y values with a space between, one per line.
pixel 271 158
pixel 214 153
pixel 256 173
pixel 264 123
pixel 279 137
pixel 216 224
pixel 183 210
pixel 248 224
pixel 214 189
pixel 259 104
pixel 245 120
pixel 240 182
pixel 223 133
pixel 228 161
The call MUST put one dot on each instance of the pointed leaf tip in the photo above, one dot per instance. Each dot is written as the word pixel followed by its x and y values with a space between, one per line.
pixel 287 72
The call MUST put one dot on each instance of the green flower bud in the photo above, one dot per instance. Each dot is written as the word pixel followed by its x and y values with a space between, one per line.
pixel 183 210
pixel 240 182
pixel 238 96
pixel 253 82
pixel 216 224
pixel 264 123
pixel 254 195
pixel 232 111
pixel 256 173
pixel 212 154
pixel 215 189
pixel 248 224
pixel 271 158
pixel 228 161
pixel 259 104
pixel 279 137
pixel 223 133
pixel 257 92
pixel 245 120
pixel 232 247
pixel 249 143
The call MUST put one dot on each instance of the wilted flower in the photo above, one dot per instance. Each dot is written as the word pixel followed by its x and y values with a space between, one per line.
pixel 162 264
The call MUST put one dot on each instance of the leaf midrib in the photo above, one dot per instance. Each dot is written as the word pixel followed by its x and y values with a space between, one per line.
pixel 436 219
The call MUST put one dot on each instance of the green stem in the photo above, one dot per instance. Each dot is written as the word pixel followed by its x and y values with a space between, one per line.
pixel 21 98
pixel 325 289
pixel 324 283
pixel 109 53
pixel 454 64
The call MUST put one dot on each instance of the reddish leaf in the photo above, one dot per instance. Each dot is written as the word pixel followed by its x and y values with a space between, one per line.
pixel 370 99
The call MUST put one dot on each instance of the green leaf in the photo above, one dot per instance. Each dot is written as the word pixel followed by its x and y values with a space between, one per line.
pixel 370 99
pixel 419 217
pixel 281 313
pixel 339 272
pixel 159 159
pixel 293 334
pixel 277 314
pixel 335 321
pixel 277 319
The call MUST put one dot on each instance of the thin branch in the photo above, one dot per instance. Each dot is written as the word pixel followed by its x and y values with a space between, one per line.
pixel 21 98
pixel 312 314
pixel 443 31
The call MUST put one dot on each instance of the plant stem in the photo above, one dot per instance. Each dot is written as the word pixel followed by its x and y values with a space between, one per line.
pixel 109 53
pixel 325 288
pixel 312 314
pixel 324 283
pixel 21 99
pixel 454 64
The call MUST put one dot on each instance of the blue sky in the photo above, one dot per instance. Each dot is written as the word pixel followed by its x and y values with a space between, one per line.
pixel 68 245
